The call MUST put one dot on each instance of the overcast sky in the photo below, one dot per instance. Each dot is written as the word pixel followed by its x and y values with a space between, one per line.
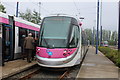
pixel 75 7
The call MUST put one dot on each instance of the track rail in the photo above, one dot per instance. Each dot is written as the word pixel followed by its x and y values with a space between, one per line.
pixel 69 69
pixel 113 47
pixel 29 75
pixel 64 74
pixel 24 74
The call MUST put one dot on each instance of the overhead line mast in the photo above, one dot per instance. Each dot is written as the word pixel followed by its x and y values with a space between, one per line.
pixel 101 24
pixel 97 36
pixel 119 30
pixel 39 9
pixel 17 9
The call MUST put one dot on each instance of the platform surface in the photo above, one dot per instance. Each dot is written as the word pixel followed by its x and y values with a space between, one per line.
pixel 97 66
pixel 13 67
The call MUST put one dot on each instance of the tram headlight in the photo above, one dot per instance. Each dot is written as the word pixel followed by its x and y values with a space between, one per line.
pixel 38 49
pixel 64 54
pixel 65 51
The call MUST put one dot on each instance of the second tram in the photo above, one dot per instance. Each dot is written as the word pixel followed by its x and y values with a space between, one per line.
pixel 11 31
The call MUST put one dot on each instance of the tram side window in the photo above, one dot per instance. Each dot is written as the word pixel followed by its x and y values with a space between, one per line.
pixel 83 39
pixel 7 37
pixel 77 34
pixel 37 34
pixel 22 34
pixel 33 33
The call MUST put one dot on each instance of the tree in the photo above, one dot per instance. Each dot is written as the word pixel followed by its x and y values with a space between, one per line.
pixel 2 8
pixel 26 16
pixel 89 34
pixel 36 17
pixel 114 36
pixel 31 16
pixel 106 35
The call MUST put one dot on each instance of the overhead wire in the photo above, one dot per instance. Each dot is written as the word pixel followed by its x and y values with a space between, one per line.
pixel 42 8
pixel 76 7
pixel 49 12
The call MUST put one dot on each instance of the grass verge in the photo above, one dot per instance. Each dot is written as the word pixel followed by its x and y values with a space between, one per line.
pixel 113 55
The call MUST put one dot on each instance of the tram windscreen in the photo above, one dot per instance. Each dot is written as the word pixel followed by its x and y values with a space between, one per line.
pixel 54 32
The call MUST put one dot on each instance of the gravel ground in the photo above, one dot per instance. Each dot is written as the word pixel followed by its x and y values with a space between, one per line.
pixel 47 74
pixel 54 75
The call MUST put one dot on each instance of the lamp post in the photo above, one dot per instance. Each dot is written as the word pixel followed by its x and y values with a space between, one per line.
pixel 93 37
pixel 101 23
pixel 17 9
pixel 119 30
pixel 97 27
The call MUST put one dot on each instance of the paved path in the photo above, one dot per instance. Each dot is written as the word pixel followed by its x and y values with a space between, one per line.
pixel 97 66
pixel 119 73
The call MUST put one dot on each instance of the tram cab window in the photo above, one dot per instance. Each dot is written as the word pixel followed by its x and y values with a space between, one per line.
pixel 74 37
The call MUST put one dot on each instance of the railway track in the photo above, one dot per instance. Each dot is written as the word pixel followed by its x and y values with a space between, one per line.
pixel 21 75
pixel 113 47
pixel 29 75
pixel 37 72
pixel 34 74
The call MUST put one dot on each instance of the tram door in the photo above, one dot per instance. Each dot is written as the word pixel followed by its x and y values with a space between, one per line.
pixel 6 42
pixel 1 45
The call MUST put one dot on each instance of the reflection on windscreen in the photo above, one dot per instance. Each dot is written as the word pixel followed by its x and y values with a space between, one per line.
pixel 56 27
pixel 55 31
pixel 54 43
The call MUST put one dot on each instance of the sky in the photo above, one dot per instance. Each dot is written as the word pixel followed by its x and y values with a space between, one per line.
pixel 76 8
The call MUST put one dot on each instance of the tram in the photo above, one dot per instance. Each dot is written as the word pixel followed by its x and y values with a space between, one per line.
pixel 61 43
pixel 11 31
pixel 104 43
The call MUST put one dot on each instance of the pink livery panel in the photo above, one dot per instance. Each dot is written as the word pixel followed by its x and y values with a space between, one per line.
pixel 26 26
pixel 6 21
pixel 54 53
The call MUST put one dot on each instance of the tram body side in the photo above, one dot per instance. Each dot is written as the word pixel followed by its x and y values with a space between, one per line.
pixel 20 27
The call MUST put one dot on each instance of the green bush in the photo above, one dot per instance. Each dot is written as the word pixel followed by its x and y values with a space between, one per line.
pixel 113 55
pixel 111 42
pixel 118 62
pixel 105 50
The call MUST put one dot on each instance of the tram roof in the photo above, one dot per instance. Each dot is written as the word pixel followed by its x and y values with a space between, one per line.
pixel 62 16
pixel 72 17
